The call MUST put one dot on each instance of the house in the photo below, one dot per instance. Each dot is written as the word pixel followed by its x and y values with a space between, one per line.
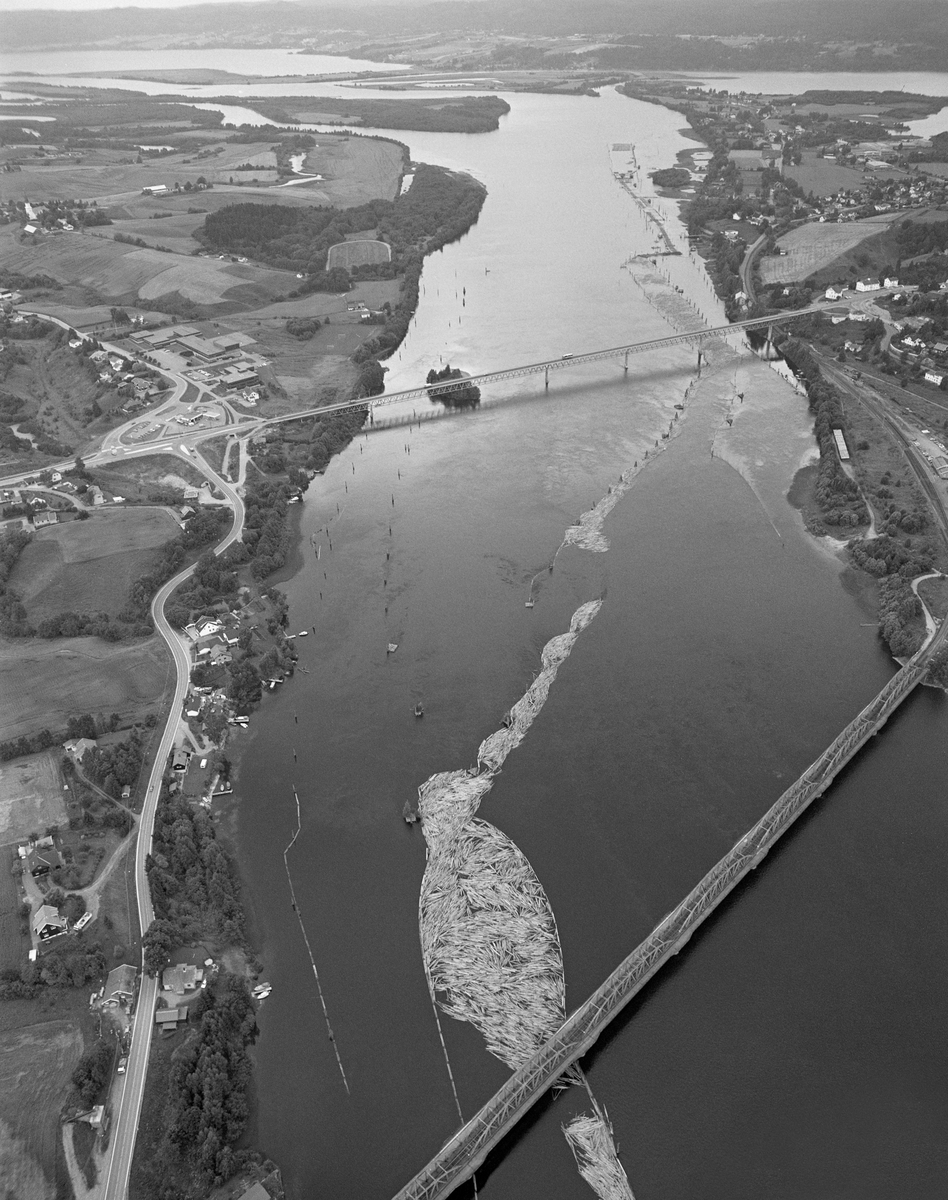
pixel 208 625
pixel 120 987
pixel 56 477
pixel 180 760
pixel 182 978
pixel 832 294
pixel 96 493
pixel 170 1018
pixel 77 747
pixel 41 862
pixel 934 377
pixel 868 284
pixel 47 923
pixel 49 517
pixel 889 282
pixel 256 1191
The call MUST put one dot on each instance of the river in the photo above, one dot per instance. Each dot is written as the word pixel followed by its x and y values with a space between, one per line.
pixel 796 1047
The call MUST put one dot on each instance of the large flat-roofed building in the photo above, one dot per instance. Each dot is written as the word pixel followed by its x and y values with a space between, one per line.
pixel 202 346
pixel 237 377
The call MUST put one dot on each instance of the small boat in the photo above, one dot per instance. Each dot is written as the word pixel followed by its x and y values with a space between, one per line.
pixel 408 814
pixel 392 647
pixel 419 711
pixel 303 633
pixel 261 991
pixel 528 604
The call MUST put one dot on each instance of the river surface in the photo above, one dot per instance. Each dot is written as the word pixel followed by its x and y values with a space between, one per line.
pixel 796 1048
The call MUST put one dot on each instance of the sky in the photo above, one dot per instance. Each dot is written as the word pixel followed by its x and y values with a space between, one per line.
pixel 78 5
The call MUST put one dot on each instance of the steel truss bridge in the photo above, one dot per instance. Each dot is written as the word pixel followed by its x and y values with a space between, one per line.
pixel 466 1150
pixel 434 390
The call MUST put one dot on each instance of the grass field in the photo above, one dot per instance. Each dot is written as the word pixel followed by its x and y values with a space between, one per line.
pixel 825 177
pixel 358 253
pixel 124 273
pixel 813 247
pixel 88 566
pixel 14 944
pixel 46 682
pixel 31 795
pixel 146 473
pixel 35 1064
pixel 101 174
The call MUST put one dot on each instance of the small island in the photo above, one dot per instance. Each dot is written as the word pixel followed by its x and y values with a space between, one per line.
pixel 458 395
pixel 671 177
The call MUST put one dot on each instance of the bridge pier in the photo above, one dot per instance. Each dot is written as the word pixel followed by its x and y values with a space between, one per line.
pixel 546 379
pixel 625 366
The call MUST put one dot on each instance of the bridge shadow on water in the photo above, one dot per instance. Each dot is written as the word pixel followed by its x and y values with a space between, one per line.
pixel 438 412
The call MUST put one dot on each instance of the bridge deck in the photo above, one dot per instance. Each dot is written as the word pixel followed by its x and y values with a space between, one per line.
pixel 551 364
pixel 464 1152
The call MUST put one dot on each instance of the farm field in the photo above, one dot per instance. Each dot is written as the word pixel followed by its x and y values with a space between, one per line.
pixel 113 271
pixel 31 795
pixel 99 174
pixel 357 253
pixel 88 566
pixel 824 177
pixel 36 1061
pixel 46 682
pixel 813 246
pixel 354 169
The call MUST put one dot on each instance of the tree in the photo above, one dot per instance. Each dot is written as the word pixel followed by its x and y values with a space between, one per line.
pixel 157 943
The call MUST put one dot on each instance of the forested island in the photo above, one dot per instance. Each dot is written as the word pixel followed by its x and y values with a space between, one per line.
pixel 458 395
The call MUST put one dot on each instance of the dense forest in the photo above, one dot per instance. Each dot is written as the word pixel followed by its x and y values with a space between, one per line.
pixel 193 885
pixel 206 1105
pixel 460 395
pixel 465 114
pixel 838 497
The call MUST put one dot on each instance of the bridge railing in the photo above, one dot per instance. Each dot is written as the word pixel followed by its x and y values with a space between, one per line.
pixel 468 1147
pixel 553 364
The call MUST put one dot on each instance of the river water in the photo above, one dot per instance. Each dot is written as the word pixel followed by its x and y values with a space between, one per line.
pixel 795 1049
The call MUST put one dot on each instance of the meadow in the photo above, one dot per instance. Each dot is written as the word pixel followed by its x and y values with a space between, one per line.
pixel 47 682
pixel 88 566
pixel 813 247
pixel 31 795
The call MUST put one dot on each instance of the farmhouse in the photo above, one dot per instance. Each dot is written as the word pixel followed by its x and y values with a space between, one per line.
pixel 120 987
pixel 182 978
pixel 41 862
pixel 77 747
pixel 47 923
pixel 49 517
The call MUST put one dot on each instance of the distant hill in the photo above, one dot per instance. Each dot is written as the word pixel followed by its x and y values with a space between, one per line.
pixel 921 24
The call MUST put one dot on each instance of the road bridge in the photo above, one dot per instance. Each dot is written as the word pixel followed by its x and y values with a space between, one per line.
pixel 466 1150
pixel 545 366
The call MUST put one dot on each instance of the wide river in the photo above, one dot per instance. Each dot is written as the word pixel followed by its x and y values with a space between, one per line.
pixel 796 1048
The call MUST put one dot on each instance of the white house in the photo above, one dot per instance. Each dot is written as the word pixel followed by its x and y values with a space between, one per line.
pixel 934 377
pixel 867 285
pixel 47 923
pixel 890 282
pixel 832 294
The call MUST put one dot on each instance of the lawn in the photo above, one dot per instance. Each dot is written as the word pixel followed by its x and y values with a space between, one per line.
pixel 46 682
pixel 36 1061
pixel 358 253
pixel 88 566
pixel 31 796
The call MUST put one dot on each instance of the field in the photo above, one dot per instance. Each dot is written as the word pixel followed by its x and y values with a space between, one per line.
pixel 103 175
pixel 825 177
pixel 813 247
pixel 35 1064
pixel 113 271
pixel 354 169
pixel 358 253
pixel 137 477
pixel 31 796
pixel 88 566
pixel 46 682
pixel 14 944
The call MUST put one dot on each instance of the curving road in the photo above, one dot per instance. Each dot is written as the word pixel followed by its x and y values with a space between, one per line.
pixel 128 1101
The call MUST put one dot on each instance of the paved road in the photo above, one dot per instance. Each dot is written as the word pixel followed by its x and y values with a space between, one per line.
pixel 128 1101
